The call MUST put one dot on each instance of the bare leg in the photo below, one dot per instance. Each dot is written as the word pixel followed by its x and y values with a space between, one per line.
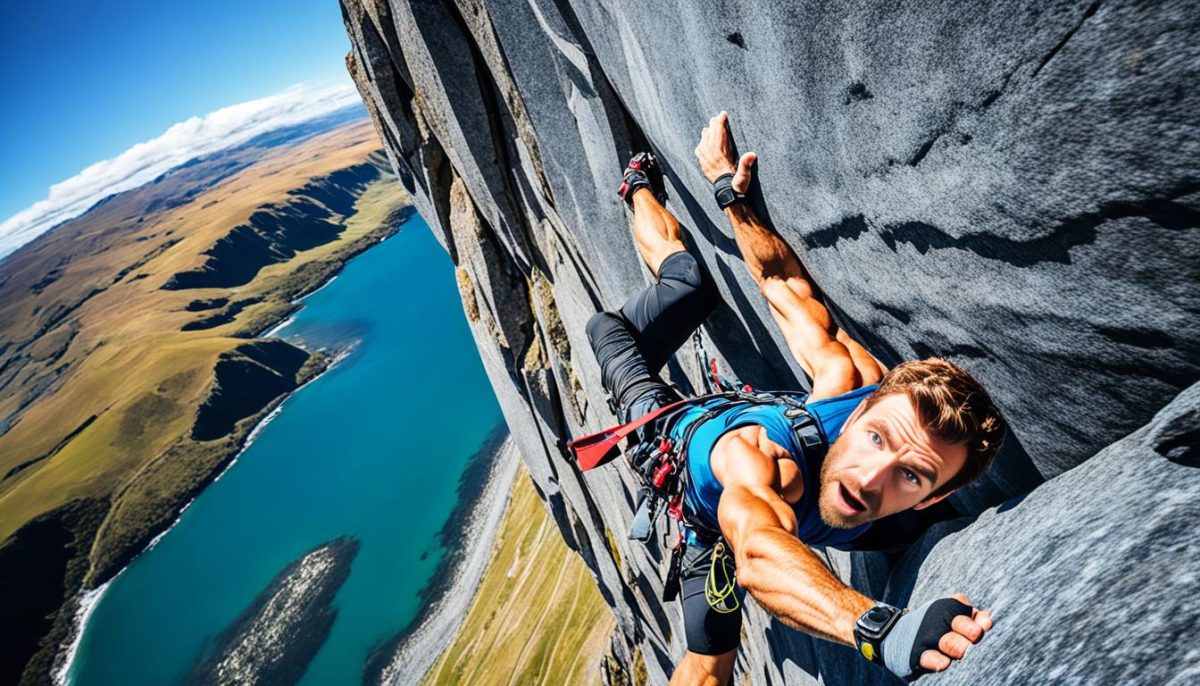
pixel 656 231
pixel 704 670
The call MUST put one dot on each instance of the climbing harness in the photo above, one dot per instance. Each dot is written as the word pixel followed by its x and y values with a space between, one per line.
pixel 600 448
pixel 714 381
pixel 659 460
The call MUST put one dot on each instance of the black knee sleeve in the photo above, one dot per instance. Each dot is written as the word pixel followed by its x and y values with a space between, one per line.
pixel 598 325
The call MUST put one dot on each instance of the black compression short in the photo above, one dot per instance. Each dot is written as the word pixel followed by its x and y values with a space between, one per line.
pixel 708 631
pixel 632 345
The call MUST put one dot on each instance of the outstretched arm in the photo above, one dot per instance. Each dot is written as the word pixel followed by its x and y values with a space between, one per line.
pixel 834 361
pixel 785 576
pixel 788 579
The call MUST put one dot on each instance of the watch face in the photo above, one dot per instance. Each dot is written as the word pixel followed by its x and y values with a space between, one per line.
pixel 878 615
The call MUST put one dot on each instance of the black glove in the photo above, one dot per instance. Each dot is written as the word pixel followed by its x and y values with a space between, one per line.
pixel 919 630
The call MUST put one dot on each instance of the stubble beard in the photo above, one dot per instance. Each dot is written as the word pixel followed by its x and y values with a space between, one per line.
pixel 829 513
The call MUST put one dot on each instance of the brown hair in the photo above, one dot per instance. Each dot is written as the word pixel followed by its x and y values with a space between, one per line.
pixel 953 406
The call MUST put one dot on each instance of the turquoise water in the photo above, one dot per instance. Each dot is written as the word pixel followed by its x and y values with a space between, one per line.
pixel 374 448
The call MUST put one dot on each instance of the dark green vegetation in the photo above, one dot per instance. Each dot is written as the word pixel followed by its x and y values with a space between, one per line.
pixel 45 556
pixel 277 231
pixel 245 379
pixel 128 377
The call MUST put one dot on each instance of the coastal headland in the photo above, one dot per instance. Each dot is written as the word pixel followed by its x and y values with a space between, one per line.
pixel 130 366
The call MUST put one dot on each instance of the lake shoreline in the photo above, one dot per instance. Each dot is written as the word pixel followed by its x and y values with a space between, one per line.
pixel 469 536
pixel 84 601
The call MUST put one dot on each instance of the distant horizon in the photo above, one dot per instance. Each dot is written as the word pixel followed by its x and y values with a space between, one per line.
pixel 197 136
pixel 85 82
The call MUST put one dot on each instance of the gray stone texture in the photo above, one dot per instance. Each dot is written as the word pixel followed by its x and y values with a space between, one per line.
pixel 1010 185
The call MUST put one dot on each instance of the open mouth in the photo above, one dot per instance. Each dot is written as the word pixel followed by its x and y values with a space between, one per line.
pixel 854 503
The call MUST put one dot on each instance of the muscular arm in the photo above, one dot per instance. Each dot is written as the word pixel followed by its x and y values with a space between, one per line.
pixel 785 576
pixel 834 361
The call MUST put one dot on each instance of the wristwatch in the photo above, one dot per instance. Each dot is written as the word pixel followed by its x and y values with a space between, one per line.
pixel 872 627
pixel 723 191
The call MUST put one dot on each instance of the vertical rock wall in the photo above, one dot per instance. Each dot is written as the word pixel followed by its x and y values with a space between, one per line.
pixel 1011 185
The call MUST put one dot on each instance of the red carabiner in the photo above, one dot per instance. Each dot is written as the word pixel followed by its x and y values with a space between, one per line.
pixel 660 474
pixel 675 509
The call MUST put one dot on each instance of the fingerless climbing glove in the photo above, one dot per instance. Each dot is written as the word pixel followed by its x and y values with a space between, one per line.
pixel 919 630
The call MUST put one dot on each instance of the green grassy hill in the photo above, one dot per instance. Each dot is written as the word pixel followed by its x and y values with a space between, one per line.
pixel 129 376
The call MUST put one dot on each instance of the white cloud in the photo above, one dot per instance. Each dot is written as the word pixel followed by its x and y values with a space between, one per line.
pixel 144 162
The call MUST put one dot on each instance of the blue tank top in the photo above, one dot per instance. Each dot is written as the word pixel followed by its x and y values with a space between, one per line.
pixel 703 491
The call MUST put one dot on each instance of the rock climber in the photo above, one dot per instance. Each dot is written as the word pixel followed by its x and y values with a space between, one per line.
pixel 763 478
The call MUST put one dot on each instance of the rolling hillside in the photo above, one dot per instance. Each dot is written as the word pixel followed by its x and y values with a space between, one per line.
pixel 130 374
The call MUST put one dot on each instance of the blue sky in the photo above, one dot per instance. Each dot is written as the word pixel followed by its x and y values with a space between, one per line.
pixel 83 81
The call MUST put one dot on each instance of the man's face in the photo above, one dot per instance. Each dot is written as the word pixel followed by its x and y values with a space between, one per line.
pixel 884 462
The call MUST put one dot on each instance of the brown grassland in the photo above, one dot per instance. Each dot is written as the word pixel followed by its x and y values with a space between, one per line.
pixel 101 386
pixel 537 616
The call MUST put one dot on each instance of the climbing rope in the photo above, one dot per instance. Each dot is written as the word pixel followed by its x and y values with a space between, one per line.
pixel 720 587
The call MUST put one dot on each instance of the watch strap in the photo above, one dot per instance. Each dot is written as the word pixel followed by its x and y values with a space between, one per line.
pixel 723 191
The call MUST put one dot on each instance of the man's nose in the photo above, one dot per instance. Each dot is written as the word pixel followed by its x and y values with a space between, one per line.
pixel 871 479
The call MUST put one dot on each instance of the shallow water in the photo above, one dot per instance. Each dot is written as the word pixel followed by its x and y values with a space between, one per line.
pixel 374 448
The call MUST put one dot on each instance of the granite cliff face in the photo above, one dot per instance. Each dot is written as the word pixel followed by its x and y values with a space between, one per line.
pixel 1013 187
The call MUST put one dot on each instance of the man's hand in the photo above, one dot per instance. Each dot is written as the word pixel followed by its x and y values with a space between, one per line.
pixel 715 153
pixel 931 636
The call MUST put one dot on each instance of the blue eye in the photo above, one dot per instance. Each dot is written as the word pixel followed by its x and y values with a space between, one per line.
pixel 911 477
pixel 875 438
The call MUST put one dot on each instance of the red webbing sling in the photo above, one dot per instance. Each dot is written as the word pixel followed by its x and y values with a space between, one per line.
pixel 600 448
